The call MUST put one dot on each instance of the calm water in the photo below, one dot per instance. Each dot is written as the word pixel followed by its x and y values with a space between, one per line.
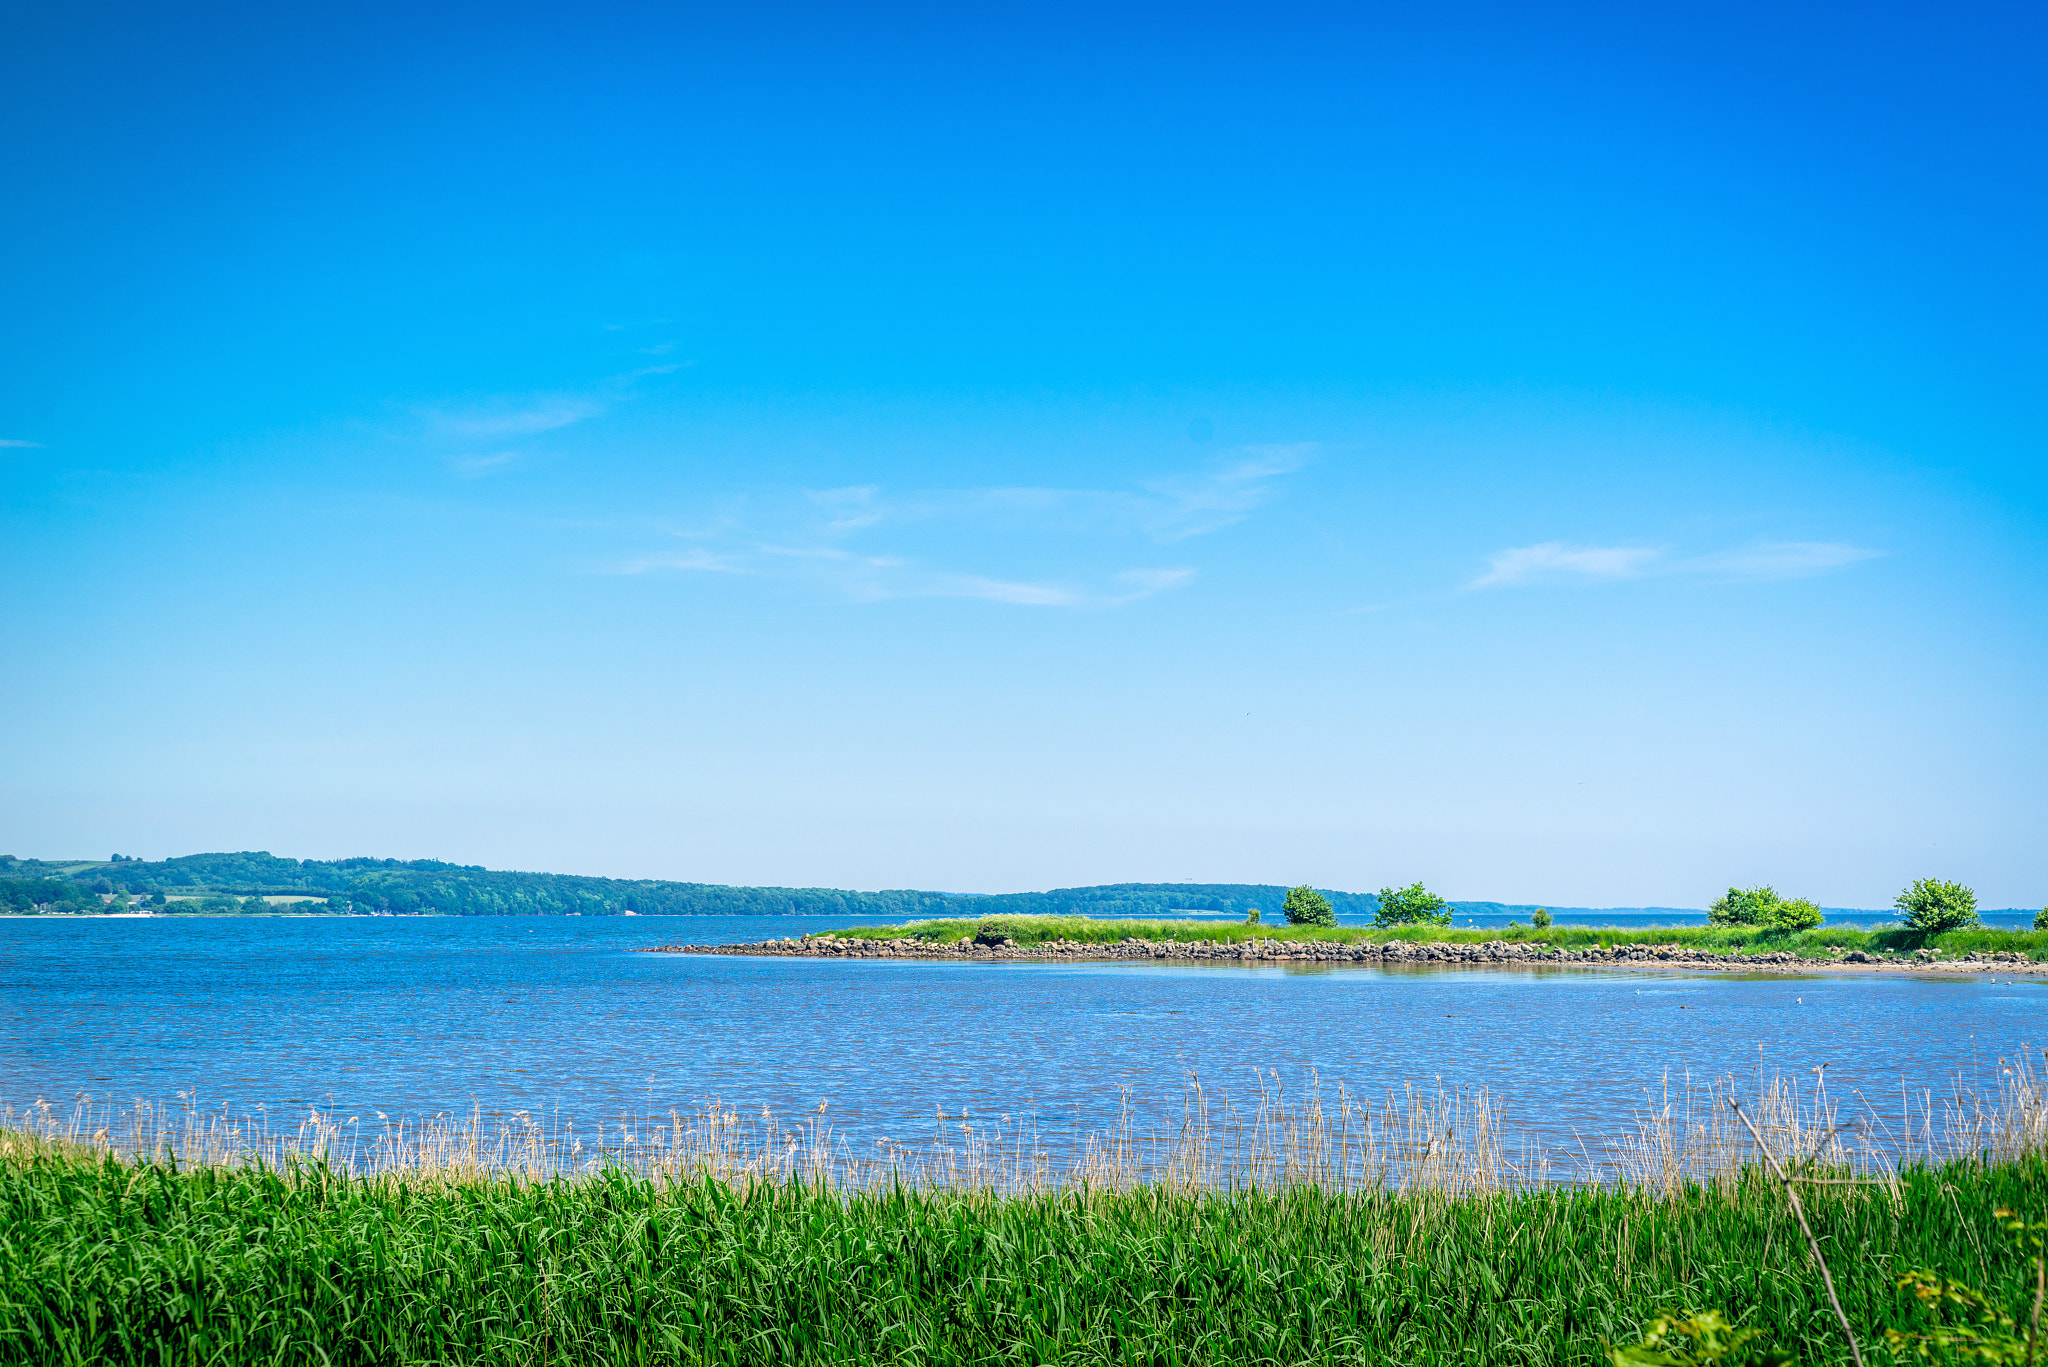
pixel 560 1015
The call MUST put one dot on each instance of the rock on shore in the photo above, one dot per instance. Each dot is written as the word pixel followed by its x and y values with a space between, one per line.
pixel 1394 952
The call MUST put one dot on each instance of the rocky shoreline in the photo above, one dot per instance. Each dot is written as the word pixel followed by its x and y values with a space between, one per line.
pixel 1395 952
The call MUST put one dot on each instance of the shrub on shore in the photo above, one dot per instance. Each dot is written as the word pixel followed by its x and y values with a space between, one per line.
pixel 1763 908
pixel 1307 907
pixel 1935 904
pixel 1410 906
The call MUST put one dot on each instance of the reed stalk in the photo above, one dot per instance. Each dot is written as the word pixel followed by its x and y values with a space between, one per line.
pixel 1451 1142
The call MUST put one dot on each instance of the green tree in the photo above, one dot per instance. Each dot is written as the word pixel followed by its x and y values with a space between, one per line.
pixel 1743 907
pixel 1796 913
pixel 1412 905
pixel 1936 904
pixel 1541 920
pixel 1307 907
pixel 1251 916
pixel 1763 908
pixel 2041 919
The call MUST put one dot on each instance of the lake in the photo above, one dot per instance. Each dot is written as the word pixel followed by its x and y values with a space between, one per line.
pixel 560 1015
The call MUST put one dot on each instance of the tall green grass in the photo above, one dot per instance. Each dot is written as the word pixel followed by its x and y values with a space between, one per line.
pixel 1302 1230
pixel 1038 930
pixel 107 1261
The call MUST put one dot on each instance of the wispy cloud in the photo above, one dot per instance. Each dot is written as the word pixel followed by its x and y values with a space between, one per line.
pixel 473 466
pixel 1136 584
pixel 1166 510
pixel 513 419
pixel 880 578
pixel 10 441
pixel 1777 560
pixel 828 537
pixel 1129 586
pixel 499 417
pixel 1560 562
pixel 1000 591
pixel 1215 498
pixel 695 558
pixel 849 509
pixel 1555 560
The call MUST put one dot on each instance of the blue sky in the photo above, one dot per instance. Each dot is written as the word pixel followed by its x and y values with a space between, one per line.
pixel 1579 455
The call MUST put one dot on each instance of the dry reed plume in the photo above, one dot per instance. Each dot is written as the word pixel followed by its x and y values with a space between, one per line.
pixel 1446 1141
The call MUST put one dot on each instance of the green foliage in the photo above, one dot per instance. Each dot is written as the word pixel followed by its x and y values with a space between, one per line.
pixel 1969 1325
pixel 1813 944
pixel 1706 1337
pixel 214 904
pixel 1763 908
pixel 433 887
pixel 1797 913
pixel 1541 920
pixel 430 887
pixel 154 1266
pixel 1251 918
pixel 1936 904
pixel 1412 905
pixel 26 895
pixel 2041 919
pixel 1742 907
pixel 1304 906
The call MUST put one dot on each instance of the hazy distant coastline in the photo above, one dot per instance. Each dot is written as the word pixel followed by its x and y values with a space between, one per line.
pixel 232 883
pixel 259 883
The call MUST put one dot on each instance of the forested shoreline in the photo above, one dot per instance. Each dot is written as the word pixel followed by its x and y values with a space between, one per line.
pixel 228 883
pixel 257 881
pixel 253 881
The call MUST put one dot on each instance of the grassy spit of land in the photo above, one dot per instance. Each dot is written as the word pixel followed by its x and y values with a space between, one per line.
pixel 1825 943
pixel 110 1261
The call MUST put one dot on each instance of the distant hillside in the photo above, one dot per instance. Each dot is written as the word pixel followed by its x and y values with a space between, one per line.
pixel 431 887
pixel 222 882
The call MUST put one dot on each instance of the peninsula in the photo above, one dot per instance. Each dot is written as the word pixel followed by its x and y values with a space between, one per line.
pixel 1079 938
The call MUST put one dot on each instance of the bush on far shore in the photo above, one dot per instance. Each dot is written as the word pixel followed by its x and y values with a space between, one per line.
pixel 1307 907
pixel 1763 908
pixel 1935 904
pixel 1410 906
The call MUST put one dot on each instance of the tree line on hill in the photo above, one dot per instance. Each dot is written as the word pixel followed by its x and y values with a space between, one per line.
pixel 20 896
pixel 207 882
pixel 235 881
pixel 368 886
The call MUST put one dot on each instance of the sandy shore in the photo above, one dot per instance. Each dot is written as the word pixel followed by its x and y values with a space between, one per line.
pixel 1397 952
